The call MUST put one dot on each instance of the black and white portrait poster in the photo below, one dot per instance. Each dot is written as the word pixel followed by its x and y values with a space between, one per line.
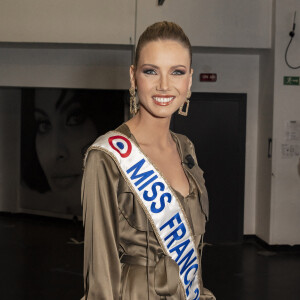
pixel 58 125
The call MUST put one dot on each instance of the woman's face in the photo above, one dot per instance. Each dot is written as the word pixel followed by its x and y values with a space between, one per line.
pixel 64 132
pixel 162 77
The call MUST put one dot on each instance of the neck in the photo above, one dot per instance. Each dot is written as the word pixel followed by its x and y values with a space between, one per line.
pixel 150 130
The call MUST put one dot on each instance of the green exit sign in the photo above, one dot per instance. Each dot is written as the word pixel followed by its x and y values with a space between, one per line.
pixel 291 80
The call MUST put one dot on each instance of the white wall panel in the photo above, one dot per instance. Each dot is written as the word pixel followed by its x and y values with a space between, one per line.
pixel 265 127
pixel 65 67
pixel 285 195
pixel 214 23
pixel 264 163
pixel 68 21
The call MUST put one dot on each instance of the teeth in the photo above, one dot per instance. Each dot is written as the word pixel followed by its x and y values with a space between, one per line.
pixel 163 100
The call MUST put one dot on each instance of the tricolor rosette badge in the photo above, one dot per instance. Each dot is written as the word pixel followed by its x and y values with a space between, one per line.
pixel 121 145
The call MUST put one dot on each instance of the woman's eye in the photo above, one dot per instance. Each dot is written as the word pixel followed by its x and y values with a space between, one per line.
pixel 76 118
pixel 178 72
pixel 149 72
pixel 43 126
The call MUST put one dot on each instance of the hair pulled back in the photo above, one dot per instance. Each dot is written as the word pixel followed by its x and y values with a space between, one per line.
pixel 163 31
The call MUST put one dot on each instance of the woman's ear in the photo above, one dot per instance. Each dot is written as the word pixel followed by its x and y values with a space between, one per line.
pixel 132 76
pixel 191 78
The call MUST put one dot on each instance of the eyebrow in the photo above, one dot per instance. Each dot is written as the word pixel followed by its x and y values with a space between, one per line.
pixel 63 106
pixel 68 103
pixel 41 112
pixel 59 105
pixel 156 67
pixel 60 99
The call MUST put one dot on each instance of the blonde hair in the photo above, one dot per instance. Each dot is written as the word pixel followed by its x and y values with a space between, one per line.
pixel 162 31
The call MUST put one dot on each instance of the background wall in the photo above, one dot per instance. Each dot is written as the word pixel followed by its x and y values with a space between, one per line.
pixel 236 74
pixel 214 23
pixel 68 21
pixel 71 67
pixel 278 180
pixel 230 23
pixel 285 193
pixel 265 125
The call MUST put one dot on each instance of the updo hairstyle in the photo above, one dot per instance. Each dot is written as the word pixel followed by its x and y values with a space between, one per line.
pixel 162 31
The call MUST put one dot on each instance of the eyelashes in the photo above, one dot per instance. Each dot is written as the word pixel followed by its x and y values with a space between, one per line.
pixel 149 72
pixel 43 126
pixel 76 118
pixel 176 72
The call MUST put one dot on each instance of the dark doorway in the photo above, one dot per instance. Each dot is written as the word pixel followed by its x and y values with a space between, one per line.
pixel 216 124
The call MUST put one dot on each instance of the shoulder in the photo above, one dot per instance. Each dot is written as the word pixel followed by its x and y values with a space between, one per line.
pixel 96 152
pixel 123 128
pixel 184 140
pixel 186 145
pixel 96 160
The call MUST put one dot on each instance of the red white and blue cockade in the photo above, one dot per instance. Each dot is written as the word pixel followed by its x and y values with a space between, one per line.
pixel 121 144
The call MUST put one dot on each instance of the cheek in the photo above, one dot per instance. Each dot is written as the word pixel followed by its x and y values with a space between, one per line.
pixel 144 89
pixel 184 85
pixel 144 85
pixel 183 88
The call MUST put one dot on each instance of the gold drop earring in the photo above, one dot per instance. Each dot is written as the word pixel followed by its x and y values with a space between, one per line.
pixel 133 105
pixel 186 104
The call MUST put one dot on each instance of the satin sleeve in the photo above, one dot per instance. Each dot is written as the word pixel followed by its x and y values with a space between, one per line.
pixel 102 268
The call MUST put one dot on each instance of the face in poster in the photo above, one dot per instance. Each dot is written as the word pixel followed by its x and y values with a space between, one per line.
pixel 58 125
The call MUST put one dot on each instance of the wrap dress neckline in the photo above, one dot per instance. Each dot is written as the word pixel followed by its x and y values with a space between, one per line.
pixel 127 131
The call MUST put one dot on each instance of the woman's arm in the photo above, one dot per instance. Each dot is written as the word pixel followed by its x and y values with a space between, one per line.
pixel 102 270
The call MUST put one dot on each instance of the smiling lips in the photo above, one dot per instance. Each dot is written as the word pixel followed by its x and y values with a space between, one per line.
pixel 163 100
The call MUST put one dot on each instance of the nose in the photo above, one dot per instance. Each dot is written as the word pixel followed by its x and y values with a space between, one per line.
pixel 60 150
pixel 61 157
pixel 163 84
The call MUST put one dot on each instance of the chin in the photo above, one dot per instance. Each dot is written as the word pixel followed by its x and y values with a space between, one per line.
pixel 162 115
pixel 161 112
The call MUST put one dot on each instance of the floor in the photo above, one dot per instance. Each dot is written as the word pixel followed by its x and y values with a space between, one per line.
pixel 42 259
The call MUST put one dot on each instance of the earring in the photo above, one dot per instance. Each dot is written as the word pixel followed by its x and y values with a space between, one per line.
pixel 133 105
pixel 186 104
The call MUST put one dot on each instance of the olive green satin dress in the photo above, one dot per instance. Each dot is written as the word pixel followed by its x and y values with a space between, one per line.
pixel 119 239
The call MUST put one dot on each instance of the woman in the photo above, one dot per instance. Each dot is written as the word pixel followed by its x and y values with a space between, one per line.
pixel 143 194
pixel 58 125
